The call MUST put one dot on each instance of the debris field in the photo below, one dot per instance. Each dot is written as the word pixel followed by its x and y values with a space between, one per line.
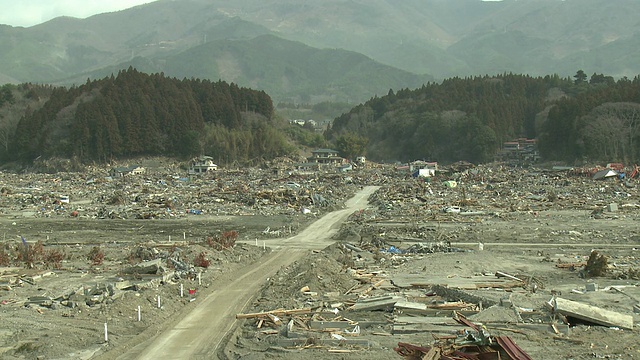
pixel 479 262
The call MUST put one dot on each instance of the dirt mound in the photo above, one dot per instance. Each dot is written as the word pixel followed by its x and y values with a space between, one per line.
pixel 318 273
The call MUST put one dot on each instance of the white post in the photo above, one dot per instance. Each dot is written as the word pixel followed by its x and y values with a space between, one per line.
pixel 158 301
pixel 256 241
pixel 106 333
pixel 199 278
pixel 169 238
pixel 181 290
pixel 264 245
pixel 184 235
pixel 139 315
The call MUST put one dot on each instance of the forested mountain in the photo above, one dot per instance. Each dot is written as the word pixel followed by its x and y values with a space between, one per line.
pixel 439 38
pixel 134 114
pixel 468 119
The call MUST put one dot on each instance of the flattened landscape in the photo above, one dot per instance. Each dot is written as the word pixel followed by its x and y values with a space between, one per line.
pixel 473 259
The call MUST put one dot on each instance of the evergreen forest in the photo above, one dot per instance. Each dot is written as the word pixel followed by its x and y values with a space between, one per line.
pixel 134 114
pixel 574 119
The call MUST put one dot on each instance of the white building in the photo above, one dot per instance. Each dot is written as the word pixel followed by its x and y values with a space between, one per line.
pixel 202 164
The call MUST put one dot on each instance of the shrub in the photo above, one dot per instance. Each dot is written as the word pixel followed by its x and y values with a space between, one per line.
pixel 201 260
pixel 223 241
pixel 96 256
pixel 53 259
pixel 31 254
pixel 5 258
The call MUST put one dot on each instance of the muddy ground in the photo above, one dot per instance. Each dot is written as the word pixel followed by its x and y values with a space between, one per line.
pixel 529 226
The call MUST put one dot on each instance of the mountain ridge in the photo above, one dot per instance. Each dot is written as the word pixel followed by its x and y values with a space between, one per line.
pixel 432 39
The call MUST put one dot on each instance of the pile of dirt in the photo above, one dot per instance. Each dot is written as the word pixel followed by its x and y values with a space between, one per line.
pixel 318 273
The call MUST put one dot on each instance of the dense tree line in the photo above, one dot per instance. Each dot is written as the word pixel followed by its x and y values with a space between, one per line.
pixel 15 102
pixel 458 119
pixel 6 95
pixel 469 119
pixel 582 118
pixel 600 122
pixel 139 114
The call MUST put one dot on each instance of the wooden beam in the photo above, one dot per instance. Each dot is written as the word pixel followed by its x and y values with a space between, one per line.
pixel 281 312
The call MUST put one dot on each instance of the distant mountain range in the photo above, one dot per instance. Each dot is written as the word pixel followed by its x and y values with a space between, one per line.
pixel 346 50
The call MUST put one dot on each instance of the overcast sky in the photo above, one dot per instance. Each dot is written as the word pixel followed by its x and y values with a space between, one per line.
pixel 33 12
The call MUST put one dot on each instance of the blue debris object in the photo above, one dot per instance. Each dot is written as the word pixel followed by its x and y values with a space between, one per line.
pixel 392 250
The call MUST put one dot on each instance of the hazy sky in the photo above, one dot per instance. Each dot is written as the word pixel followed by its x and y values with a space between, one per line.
pixel 33 12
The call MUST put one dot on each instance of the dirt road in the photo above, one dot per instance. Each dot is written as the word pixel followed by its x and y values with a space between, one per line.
pixel 199 334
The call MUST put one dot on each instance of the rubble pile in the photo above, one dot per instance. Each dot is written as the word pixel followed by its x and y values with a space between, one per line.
pixel 508 250
pixel 165 194
pixel 495 190
pixel 129 268
pixel 345 299
pixel 454 206
pixel 475 262
pixel 118 283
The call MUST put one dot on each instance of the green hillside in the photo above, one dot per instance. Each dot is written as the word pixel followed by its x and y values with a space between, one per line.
pixel 135 114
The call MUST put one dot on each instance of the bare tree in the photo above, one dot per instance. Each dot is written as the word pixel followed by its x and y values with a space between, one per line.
pixel 8 126
pixel 612 130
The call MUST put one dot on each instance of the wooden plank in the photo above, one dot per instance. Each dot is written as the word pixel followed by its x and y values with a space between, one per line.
pixel 434 353
pixel 374 304
pixel 274 319
pixel 325 342
pixel 274 312
pixel 331 324
pixel 457 305
pixel 425 320
pixel 418 328
pixel 503 274
pixel 466 283
pixel 438 312
pixel 402 304
pixel 408 307
pixel 592 314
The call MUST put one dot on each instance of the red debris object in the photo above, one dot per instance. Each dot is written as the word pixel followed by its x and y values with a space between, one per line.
pixel 411 352
pixel 475 344
pixel 464 321
pixel 504 348
pixel 511 348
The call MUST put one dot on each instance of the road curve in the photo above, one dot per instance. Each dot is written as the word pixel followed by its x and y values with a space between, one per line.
pixel 199 334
